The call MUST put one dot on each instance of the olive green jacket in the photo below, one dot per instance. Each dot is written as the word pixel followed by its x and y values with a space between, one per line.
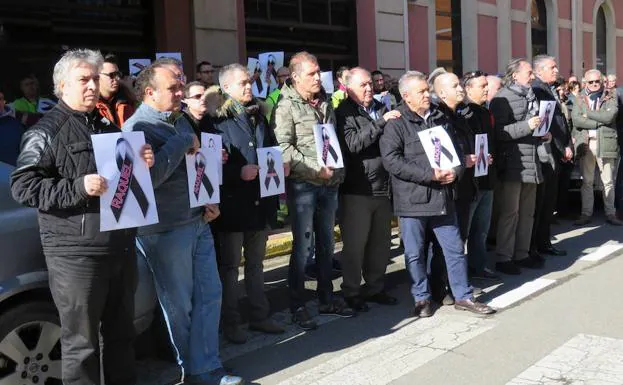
pixel 293 120
pixel 603 120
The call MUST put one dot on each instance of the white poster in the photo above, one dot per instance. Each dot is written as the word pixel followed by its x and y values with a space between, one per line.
pixel 384 98
pixel 482 155
pixel 203 187
pixel 326 78
pixel 271 174
pixel 129 200
pixel 439 148
pixel 137 65
pixel 546 113
pixel 327 146
pixel 174 55
pixel 270 62
pixel 214 147
pixel 258 85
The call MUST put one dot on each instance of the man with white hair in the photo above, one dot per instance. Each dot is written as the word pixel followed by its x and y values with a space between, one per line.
pixel 594 116
pixel 364 196
pixel 494 83
pixel 92 274
pixel 423 197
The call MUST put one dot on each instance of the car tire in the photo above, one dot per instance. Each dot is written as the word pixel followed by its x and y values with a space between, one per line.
pixel 30 351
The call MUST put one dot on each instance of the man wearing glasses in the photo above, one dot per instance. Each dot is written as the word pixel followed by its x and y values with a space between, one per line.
pixel 116 102
pixel 205 73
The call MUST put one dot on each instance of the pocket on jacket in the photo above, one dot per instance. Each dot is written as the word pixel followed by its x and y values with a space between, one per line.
pixel 420 194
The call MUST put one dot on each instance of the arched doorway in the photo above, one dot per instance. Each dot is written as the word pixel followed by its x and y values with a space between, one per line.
pixel 601 50
pixel 538 18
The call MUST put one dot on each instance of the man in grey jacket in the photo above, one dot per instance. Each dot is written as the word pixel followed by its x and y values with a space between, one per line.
pixel 515 111
pixel 594 116
pixel 180 248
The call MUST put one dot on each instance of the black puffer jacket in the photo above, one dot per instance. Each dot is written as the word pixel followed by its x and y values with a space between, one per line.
pixel 359 136
pixel 414 191
pixel 56 154
pixel 517 159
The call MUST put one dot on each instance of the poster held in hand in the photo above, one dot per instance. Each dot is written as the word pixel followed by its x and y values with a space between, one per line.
pixel 214 147
pixel 270 62
pixel 384 98
pixel 203 187
pixel 328 146
pixel 271 174
pixel 259 87
pixel 137 65
pixel 130 200
pixel 326 78
pixel 482 155
pixel 546 113
pixel 439 148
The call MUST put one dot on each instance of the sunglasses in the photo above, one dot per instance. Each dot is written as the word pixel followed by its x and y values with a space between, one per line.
pixel 472 75
pixel 113 75
pixel 593 82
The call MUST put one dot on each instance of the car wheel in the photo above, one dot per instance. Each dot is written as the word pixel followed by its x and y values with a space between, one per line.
pixel 30 349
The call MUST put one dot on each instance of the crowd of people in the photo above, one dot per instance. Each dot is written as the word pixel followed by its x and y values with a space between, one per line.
pixel 194 253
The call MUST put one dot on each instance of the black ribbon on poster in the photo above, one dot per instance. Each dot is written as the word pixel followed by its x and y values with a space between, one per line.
pixel 201 178
pixel 439 150
pixel 127 182
pixel 271 173
pixel 327 148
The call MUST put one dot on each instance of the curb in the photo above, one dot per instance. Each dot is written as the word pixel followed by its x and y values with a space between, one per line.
pixel 281 244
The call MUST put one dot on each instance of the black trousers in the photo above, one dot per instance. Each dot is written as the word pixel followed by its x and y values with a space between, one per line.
pixel 95 294
pixel 546 198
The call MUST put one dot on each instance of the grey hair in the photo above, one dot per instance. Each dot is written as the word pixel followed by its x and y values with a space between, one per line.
pixel 71 59
pixel 405 79
pixel 612 76
pixel 539 61
pixel 349 74
pixel 511 69
pixel 225 72
pixel 593 71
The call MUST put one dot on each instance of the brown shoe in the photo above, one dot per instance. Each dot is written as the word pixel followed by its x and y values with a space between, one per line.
pixel 423 309
pixel 582 220
pixel 613 220
pixel 473 306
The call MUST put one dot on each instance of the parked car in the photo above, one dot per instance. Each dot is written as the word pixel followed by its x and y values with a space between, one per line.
pixel 29 324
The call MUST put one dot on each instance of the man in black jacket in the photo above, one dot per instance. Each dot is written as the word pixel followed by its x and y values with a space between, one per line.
pixel 245 216
pixel 546 71
pixel 365 205
pixel 423 197
pixel 92 274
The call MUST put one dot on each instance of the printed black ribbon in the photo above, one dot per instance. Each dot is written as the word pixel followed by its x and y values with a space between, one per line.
pixel 201 178
pixel 271 173
pixel 543 125
pixel 440 149
pixel 127 181
pixel 481 160
pixel 327 148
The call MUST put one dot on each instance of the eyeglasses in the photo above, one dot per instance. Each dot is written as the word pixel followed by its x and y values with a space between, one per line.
pixel 593 82
pixel 113 75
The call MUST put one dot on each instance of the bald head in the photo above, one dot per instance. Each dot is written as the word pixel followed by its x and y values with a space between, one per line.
pixel 448 89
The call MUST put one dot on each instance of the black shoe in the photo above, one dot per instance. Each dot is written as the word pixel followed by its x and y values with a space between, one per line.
pixel 536 256
pixel 382 298
pixel 508 267
pixel 423 309
pixel 552 250
pixel 530 263
pixel 302 318
pixel 485 275
pixel 337 308
pixel 357 304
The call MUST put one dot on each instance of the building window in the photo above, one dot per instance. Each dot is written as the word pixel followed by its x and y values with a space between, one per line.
pixel 325 28
pixel 539 27
pixel 448 35
pixel 601 41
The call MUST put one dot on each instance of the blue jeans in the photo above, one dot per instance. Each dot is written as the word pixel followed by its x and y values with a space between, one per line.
pixel 312 209
pixel 446 230
pixel 477 229
pixel 183 262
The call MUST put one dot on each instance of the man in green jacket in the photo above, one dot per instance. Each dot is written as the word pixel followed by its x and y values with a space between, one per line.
pixel 312 188
pixel 594 117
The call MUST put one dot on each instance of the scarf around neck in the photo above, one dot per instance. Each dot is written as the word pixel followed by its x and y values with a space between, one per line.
pixel 528 93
